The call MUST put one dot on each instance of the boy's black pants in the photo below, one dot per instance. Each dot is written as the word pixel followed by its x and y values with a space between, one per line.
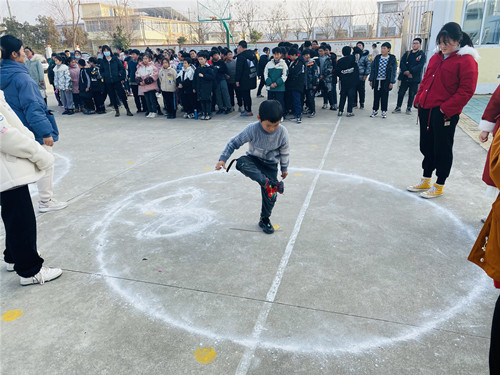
pixel 436 143
pixel 495 341
pixel 412 88
pixel 380 96
pixel 140 101
pixel 20 231
pixel 247 100
pixel 169 100
pixel 187 97
pixel 348 93
pixel 360 89
pixel 310 93
pixel 98 97
pixel 279 96
pixel 257 170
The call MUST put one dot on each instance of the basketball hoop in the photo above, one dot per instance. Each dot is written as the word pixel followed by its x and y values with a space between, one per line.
pixel 214 18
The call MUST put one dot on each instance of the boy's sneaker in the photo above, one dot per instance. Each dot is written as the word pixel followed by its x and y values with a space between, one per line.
pixel 190 116
pixel 424 184
pixel 270 190
pixel 312 114
pixel 240 109
pixel 340 114
pixel 397 110
pixel 202 117
pixel 299 120
pixel 408 111
pixel 292 118
pixel 280 187
pixel 325 106
pixel 349 114
pixel 153 115
pixel 333 108
pixel 266 225
pixel 434 192
pixel 227 111
pixel 374 114
pixel 186 115
pixel 9 266
pixel 361 106
pixel 51 205
pixel 45 274
pixel 219 112
pixel 245 113
pixel 65 112
pixel 208 118
pixel 384 114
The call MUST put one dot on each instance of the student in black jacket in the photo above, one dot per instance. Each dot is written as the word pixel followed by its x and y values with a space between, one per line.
pixel 347 70
pixel 264 59
pixel 295 83
pixel 203 81
pixel 246 75
pixel 114 75
pixel 84 88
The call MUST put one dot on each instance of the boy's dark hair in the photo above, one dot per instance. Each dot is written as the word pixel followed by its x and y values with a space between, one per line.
pixel 321 47
pixel 328 47
pixel 193 50
pixel 386 44
pixel 306 52
pixel 418 40
pixel 53 54
pixel 93 60
pixel 346 51
pixel 293 52
pixel 235 51
pixel 243 44
pixel 214 52
pixel 67 50
pixel 136 51
pixel 360 42
pixel 81 62
pixel 186 55
pixel 203 54
pixel 189 60
pixel 271 111
pixel 9 44
pixel 374 45
pixel 266 49
pixel 277 50
pixel 315 41
pixel 307 44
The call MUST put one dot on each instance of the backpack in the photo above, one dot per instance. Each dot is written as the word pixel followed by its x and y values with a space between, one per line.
pixel 252 69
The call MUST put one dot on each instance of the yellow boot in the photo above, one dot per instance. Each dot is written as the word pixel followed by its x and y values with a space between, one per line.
pixel 435 191
pixel 424 184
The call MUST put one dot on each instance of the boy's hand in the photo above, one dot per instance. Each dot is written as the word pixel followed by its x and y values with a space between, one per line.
pixel 284 174
pixel 483 136
pixel 219 165
pixel 200 75
pixel 180 85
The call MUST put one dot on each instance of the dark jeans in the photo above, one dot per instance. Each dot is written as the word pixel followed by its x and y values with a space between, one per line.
pixel 239 98
pixel 206 107
pixel 169 100
pixel 380 97
pixel 348 93
pixel 76 100
pixel 187 101
pixel 151 102
pixel 262 83
pixel 140 101
pixel 297 103
pixel 247 100
pixel 20 231
pixel 98 97
pixel 115 90
pixel 360 90
pixel 231 90
pixel 412 88
pixel 436 143
pixel 257 170
pixel 310 93
pixel 86 98
pixel 279 96
pixel 495 341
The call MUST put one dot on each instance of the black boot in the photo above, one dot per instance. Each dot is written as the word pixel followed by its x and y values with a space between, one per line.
pixel 128 112
pixel 117 112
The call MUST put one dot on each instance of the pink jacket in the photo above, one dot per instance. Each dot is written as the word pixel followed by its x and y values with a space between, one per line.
pixel 74 73
pixel 144 71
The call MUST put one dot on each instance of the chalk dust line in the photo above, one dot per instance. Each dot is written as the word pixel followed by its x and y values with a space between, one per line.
pixel 244 364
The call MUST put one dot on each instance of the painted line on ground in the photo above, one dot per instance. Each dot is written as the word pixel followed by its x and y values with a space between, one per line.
pixel 246 360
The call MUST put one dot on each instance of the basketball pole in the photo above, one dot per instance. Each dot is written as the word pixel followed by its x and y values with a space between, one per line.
pixel 228 34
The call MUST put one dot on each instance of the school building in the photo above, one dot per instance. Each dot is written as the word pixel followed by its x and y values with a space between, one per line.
pixel 481 20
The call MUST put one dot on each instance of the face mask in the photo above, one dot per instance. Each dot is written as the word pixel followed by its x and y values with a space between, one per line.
pixel 107 53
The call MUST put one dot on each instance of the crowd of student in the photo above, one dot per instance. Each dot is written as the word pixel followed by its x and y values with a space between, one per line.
pixel 217 80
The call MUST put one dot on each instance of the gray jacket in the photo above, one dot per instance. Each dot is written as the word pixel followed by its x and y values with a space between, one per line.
pixel 364 64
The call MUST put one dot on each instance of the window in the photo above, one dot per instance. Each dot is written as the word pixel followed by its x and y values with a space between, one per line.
pixel 481 20
pixel 389 8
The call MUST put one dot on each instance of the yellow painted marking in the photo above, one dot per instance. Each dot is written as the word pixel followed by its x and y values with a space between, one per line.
pixel 314 146
pixel 177 140
pixel 149 213
pixel 11 315
pixel 205 355
pixel 298 174
pixel 322 129
pixel 208 169
pixel 130 162
pixel 276 226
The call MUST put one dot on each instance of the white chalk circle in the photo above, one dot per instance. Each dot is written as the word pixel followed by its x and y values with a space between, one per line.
pixel 152 218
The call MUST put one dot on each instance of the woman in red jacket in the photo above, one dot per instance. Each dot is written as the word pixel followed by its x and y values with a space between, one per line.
pixel 447 86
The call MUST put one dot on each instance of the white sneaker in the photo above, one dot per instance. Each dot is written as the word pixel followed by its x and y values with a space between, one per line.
pixel 9 266
pixel 384 114
pixel 153 115
pixel 52 205
pixel 374 114
pixel 45 274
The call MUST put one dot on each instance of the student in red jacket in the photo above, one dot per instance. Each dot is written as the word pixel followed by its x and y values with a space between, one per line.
pixel 448 84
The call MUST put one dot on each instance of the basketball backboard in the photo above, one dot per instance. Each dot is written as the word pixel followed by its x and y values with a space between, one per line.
pixel 213 10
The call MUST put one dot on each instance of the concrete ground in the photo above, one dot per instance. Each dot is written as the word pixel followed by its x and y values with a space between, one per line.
pixel 166 271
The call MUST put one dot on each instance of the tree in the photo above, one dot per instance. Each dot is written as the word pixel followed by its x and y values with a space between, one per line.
pixel 181 40
pixel 121 23
pixel 255 36
pixel 49 33
pixel 23 31
pixel 309 13
pixel 276 23
pixel 120 40
pixel 247 12
pixel 67 12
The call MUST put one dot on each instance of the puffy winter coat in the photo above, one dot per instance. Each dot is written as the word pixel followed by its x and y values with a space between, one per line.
pixel 490 122
pixel 449 83
pixel 312 74
pixel 264 59
pixel 23 96
pixel 22 159
pixel 203 85
pixel 74 73
pixel 390 73
pixel 276 72
pixel 243 62
pixel 347 71
pixel 144 71
pixel 364 64
pixel 296 75
pixel 168 79
pixel 35 70
pixel 62 78
pixel 414 63
pixel 112 70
